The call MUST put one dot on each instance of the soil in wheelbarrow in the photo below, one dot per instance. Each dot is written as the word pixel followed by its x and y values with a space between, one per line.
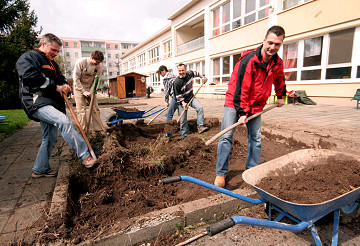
pixel 132 161
pixel 318 182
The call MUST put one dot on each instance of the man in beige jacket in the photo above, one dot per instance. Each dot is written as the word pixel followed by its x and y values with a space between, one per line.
pixel 84 74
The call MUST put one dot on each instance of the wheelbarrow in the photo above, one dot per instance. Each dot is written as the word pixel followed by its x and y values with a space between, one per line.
pixel 304 215
pixel 121 115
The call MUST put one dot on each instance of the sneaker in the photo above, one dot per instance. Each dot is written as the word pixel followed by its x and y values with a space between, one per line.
pixel 89 162
pixel 48 174
pixel 220 181
pixel 202 129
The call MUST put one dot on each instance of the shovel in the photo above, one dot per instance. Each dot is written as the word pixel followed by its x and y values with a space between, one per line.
pixel 79 127
pixel 91 104
pixel 238 123
pixel 188 104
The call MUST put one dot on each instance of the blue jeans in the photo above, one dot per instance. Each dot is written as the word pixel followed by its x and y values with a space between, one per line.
pixel 225 142
pixel 171 110
pixel 51 120
pixel 184 126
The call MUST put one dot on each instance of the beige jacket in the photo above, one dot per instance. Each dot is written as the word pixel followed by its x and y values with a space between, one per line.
pixel 84 74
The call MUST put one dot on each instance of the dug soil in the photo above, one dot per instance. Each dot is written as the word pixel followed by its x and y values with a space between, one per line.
pixel 318 182
pixel 133 159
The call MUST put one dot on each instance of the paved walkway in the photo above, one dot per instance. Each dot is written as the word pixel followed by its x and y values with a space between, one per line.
pixel 23 199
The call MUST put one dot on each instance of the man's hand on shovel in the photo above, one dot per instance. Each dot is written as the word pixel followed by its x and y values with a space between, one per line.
pixel 63 89
pixel 242 120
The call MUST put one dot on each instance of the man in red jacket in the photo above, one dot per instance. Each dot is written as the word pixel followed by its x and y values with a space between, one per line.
pixel 249 88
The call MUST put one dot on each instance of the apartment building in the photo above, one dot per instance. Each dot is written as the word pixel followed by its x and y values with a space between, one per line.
pixel 75 48
pixel 321 51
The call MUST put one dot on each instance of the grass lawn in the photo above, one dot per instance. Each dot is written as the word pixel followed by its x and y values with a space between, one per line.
pixel 15 120
pixel 107 99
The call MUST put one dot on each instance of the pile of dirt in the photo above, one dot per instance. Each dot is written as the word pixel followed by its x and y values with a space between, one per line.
pixel 132 161
pixel 318 182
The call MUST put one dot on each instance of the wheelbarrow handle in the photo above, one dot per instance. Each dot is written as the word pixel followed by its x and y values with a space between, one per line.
pixel 220 226
pixel 170 180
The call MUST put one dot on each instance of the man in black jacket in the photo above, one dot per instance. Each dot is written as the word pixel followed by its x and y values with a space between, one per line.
pixel 41 90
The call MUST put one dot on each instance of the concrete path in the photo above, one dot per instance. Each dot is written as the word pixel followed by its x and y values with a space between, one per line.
pixel 24 200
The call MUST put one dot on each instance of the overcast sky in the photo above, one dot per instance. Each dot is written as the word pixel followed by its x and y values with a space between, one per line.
pixel 132 20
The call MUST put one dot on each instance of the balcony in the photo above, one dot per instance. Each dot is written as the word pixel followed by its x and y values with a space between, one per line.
pixel 91 49
pixel 195 44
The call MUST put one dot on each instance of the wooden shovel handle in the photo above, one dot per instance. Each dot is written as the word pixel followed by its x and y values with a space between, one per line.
pixel 237 124
pixel 78 125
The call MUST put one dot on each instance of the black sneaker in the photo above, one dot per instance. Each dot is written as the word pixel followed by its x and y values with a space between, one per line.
pixel 48 174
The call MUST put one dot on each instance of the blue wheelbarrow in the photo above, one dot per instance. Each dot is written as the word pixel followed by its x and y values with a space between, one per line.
pixel 121 115
pixel 304 215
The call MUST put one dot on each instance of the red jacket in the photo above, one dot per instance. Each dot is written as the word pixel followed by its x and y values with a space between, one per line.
pixel 251 82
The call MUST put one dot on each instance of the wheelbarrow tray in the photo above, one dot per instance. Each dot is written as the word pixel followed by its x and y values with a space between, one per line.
pixel 130 115
pixel 297 161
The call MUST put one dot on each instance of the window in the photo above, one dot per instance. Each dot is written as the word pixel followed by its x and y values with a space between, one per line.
pixel 132 64
pixel 223 67
pixel 109 55
pixel 116 56
pixel 339 60
pixel 237 13
pixel 198 67
pixel 221 19
pixel 75 45
pixel 320 58
pixel 141 60
pixel 290 60
pixel 66 44
pixel 85 45
pixel 67 54
pixel 116 46
pixel 110 64
pixel 167 49
pixel 126 67
pixel 98 45
pixel 125 46
pixel 154 55
pixel 292 3
pixel 76 54
pixel 110 73
pixel 108 46
pixel 155 79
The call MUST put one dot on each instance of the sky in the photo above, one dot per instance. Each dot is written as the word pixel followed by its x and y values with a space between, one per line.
pixel 125 20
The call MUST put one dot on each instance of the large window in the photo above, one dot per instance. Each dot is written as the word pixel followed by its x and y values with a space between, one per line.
pixel 141 60
pixel 339 62
pixel 198 67
pixel 290 58
pixel 126 67
pixel 155 79
pixel 132 64
pixel 154 55
pixel 237 13
pixel 292 3
pixel 223 67
pixel 320 58
pixel 167 49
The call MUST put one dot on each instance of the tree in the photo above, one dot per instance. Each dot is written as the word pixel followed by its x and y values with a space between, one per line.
pixel 17 36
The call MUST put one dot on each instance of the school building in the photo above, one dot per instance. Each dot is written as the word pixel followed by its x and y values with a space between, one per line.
pixel 321 51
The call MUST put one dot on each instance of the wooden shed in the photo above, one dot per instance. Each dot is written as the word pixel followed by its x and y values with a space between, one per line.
pixel 126 85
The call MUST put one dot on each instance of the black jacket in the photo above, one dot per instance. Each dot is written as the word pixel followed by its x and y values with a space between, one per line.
pixel 38 78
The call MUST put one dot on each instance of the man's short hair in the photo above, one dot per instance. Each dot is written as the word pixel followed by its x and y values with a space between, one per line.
pixel 181 64
pixel 277 30
pixel 97 55
pixel 49 38
pixel 162 68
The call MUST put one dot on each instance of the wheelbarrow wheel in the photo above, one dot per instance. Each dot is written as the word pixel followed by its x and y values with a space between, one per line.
pixel 113 120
